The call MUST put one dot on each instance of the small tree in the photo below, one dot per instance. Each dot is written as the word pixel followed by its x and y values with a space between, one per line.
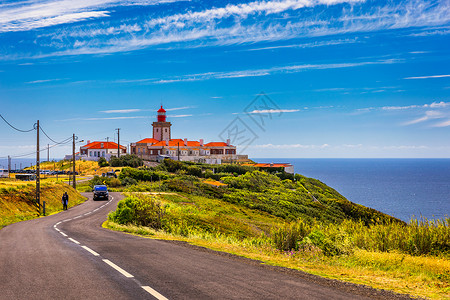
pixel 102 162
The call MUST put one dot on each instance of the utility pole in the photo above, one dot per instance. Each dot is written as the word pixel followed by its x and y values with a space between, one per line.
pixel 38 172
pixel 118 142
pixel 73 160
pixel 9 165
pixel 48 152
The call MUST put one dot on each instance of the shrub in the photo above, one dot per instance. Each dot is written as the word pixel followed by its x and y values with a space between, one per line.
pixel 287 237
pixel 143 174
pixel 114 182
pixel 128 160
pixel 127 181
pixel 102 162
pixel 141 211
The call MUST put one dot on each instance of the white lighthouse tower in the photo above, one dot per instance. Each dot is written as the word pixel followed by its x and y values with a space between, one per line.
pixel 161 128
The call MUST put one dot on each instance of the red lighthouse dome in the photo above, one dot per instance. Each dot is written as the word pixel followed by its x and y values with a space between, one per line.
pixel 161 115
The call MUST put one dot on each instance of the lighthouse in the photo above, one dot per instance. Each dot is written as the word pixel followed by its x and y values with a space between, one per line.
pixel 161 128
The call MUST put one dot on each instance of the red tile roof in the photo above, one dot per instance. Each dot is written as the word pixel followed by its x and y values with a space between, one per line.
pixel 216 144
pixel 148 141
pixel 106 145
pixel 180 142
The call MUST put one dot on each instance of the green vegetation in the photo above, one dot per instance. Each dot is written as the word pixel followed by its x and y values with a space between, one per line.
pixel 17 203
pixel 285 220
pixel 129 160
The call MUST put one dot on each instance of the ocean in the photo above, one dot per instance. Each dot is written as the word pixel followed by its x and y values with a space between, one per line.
pixel 403 188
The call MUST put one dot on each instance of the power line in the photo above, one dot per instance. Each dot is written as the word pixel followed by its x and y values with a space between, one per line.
pixel 68 140
pixel 40 127
pixel 34 127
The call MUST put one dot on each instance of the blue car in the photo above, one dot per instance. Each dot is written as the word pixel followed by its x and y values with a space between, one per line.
pixel 100 192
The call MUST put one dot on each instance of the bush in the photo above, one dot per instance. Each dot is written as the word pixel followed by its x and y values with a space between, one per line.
pixel 114 182
pixel 287 237
pixel 142 211
pixel 143 174
pixel 127 181
pixel 102 162
pixel 128 160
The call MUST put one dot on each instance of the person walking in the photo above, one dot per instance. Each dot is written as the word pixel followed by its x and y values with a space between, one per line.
pixel 65 200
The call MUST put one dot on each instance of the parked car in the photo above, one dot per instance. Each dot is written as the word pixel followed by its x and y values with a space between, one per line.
pixel 109 175
pixel 100 192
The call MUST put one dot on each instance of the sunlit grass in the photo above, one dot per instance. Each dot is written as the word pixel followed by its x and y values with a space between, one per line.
pixel 17 202
pixel 222 226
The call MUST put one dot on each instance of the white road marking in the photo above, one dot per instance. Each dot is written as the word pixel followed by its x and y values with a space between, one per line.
pixel 76 242
pixel 90 250
pixel 63 233
pixel 57 229
pixel 154 293
pixel 119 269
pixel 77 217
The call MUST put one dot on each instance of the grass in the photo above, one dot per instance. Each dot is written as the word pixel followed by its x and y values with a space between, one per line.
pixel 17 201
pixel 233 228
pixel 83 167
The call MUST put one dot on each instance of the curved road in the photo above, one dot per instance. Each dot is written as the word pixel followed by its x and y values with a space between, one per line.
pixel 70 256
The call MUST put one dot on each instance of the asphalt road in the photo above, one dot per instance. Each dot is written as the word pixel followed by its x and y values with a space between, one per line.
pixel 70 256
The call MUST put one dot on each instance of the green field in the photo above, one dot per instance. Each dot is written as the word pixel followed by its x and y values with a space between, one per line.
pixel 284 220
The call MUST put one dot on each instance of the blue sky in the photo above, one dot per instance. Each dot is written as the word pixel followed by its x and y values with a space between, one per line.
pixel 287 78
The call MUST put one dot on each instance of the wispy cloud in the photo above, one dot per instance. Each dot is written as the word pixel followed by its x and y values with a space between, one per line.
pixel 271 71
pixel 269 111
pixel 178 108
pixel 231 24
pixel 432 32
pixel 178 116
pixel 289 146
pixel 121 111
pixel 441 104
pixel 32 14
pixel 442 124
pixel 428 77
pixel 309 45
pixel 429 115
pixel 43 81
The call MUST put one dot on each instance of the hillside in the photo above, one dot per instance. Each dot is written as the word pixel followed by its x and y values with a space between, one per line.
pixel 16 201
pixel 284 220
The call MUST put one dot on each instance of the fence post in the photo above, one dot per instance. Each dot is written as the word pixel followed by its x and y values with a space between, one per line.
pixel 43 207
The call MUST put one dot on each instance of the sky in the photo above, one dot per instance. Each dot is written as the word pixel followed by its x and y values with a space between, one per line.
pixel 280 79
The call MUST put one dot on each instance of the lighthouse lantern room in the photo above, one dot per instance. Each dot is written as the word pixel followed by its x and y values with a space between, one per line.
pixel 161 128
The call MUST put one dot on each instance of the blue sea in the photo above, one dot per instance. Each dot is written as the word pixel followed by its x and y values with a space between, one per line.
pixel 403 188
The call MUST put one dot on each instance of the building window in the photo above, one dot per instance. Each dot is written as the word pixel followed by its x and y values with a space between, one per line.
pixel 166 129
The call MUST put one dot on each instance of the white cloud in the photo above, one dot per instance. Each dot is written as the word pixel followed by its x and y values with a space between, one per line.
pixel 121 111
pixel 289 146
pixel 178 108
pixel 442 124
pixel 270 71
pixel 178 116
pixel 113 118
pixel 428 77
pixel 432 105
pixel 232 24
pixel 309 45
pixel 429 115
pixel 269 111
pixel 43 81
pixel 243 10
pixel 432 32
pixel 32 14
